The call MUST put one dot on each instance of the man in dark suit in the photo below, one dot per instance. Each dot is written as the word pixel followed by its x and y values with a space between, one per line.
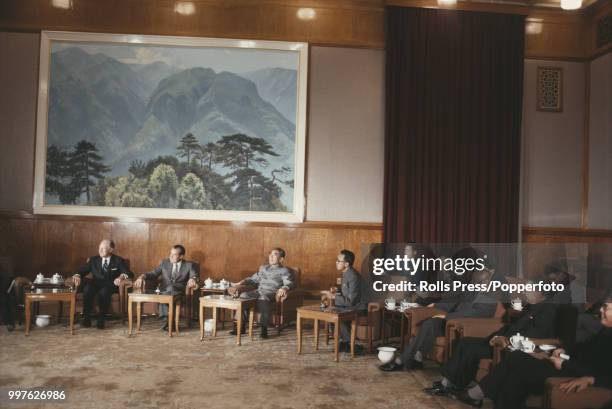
pixel 464 305
pixel 537 320
pixel 107 270
pixel 175 274
pixel 351 295
pixel 519 374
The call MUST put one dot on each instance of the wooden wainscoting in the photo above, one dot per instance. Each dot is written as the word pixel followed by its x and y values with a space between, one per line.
pixel 53 244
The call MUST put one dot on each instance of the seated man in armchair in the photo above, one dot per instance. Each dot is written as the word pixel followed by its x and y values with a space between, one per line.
pixel 271 281
pixel 107 270
pixel 175 274
pixel 520 374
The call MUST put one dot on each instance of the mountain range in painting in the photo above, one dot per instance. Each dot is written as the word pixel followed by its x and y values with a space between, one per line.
pixel 136 115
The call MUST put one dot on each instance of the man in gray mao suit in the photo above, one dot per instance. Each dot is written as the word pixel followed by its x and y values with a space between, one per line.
pixel 466 304
pixel 175 275
pixel 272 280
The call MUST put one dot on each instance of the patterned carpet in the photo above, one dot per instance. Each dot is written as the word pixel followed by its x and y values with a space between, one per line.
pixel 105 369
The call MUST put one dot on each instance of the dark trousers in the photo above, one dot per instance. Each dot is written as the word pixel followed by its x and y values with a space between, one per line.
pixel 104 290
pixel 462 366
pixel 263 307
pixel 345 328
pixel 430 329
pixel 517 376
pixel 8 305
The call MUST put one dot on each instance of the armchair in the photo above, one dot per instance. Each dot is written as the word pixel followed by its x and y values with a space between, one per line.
pixel 590 398
pixel 285 308
pixel 414 318
pixel 190 295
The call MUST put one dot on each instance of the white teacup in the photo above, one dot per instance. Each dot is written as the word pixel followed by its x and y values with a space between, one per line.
pixel 390 303
pixel 517 304
pixel 528 346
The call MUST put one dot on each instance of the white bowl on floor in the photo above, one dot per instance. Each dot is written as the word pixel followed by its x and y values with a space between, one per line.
pixel 386 354
pixel 42 320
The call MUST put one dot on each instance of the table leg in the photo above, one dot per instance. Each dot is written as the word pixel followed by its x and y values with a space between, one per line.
pixel 60 311
pixel 177 317
pixel 383 333
pixel 353 333
pixel 201 322
pixel 402 320
pixel 214 317
pixel 129 318
pixel 326 333
pixel 336 340
pixel 316 334
pixel 251 319
pixel 222 318
pixel 72 313
pixel 138 313
pixel 28 314
pixel 170 317
pixel 299 333
pixel 239 326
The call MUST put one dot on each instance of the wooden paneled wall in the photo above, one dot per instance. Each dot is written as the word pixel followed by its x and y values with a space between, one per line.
pixel 355 23
pixel 53 244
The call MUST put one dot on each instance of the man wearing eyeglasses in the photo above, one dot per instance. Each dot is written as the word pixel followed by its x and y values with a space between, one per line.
pixel 351 295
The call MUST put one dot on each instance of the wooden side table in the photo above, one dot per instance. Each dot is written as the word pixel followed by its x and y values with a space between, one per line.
pixel 393 318
pixel 49 294
pixel 224 301
pixel 174 307
pixel 331 315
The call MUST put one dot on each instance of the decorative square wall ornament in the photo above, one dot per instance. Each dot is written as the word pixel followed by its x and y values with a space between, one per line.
pixel 550 89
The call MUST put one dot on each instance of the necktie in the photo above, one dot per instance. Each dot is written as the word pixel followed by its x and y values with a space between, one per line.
pixel 173 271
pixel 105 265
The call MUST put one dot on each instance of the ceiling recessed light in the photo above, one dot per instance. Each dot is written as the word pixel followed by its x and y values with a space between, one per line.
pixel 571 4
pixel 186 8
pixel 62 4
pixel 447 3
pixel 306 14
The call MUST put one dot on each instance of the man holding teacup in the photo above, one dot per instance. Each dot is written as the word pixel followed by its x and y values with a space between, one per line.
pixel 521 374
pixel 536 320
pixel 350 296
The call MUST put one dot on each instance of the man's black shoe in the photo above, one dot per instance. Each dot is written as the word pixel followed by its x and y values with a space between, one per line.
pixel 165 328
pixel 100 324
pixel 86 323
pixel 437 390
pixel 391 366
pixel 263 334
pixel 465 398
pixel 10 327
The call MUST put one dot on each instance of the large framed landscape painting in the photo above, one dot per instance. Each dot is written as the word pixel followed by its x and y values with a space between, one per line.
pixel 171 127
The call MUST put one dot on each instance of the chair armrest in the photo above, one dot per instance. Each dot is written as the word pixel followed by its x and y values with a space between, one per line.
pixel 295 293
pixel 190 291
pixel 414 317
pixel 591 397
pixel 547 341
pixel 23 282
pixel 476 327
